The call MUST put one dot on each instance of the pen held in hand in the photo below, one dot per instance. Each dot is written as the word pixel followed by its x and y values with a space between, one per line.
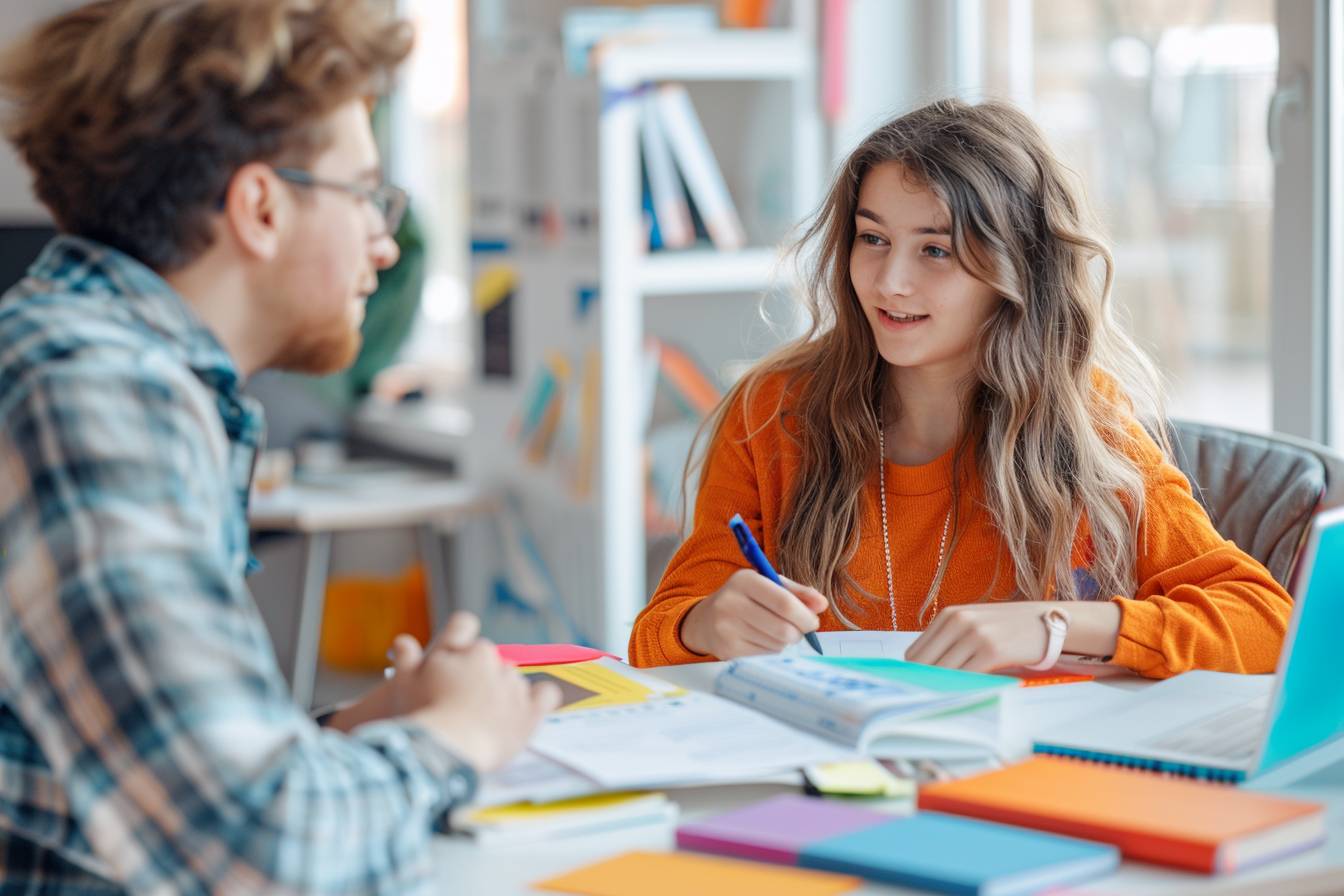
pixel 756 557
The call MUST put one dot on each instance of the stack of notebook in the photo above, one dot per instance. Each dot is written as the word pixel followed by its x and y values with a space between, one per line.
pixel 529 822
pixel 928 850
pixel 1170 821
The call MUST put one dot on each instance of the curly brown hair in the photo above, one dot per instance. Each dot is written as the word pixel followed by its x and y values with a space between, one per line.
pixel 134 114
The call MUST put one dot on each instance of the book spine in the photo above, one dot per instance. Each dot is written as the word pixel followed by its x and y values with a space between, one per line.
pixel 670 211
pixel 698 167
pixel 726 846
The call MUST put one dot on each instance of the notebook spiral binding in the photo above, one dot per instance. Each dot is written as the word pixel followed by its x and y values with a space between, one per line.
pixel 1161 766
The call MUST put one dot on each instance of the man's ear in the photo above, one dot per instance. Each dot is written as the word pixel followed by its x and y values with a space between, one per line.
pixel 256 208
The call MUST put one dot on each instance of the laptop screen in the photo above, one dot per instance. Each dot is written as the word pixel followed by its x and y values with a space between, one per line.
pixel 1309 702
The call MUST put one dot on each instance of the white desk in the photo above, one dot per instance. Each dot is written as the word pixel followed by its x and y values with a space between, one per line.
pixel 463 867
pixel 361 496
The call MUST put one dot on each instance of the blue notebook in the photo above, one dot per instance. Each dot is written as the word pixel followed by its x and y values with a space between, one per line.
pixel 948 854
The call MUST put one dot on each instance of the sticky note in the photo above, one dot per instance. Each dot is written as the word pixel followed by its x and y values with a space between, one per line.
pixel 680 874
pixel 548 654
pixel 862 777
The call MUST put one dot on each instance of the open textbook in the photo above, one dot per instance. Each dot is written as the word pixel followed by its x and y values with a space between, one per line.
pixel 877 706
pixel 623 728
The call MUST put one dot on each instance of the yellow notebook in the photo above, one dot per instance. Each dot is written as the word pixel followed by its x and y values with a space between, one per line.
pixel 529 822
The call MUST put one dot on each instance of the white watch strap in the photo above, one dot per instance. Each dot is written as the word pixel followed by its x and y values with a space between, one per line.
pixel 1056 623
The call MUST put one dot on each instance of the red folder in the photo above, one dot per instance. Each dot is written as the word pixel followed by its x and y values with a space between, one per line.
pixel 549 654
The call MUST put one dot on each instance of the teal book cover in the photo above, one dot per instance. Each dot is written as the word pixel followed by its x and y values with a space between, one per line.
pixel 947 854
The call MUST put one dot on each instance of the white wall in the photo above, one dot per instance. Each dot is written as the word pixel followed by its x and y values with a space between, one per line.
pixel 17 204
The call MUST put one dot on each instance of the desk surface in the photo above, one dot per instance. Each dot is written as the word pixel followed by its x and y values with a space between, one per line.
pixel 365 497
pixel 464 867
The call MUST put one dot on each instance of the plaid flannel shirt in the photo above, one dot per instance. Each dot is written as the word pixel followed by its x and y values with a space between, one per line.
pixel 147 739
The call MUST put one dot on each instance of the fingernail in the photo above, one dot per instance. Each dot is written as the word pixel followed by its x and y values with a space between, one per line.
pixel 388 672
pixel 391 655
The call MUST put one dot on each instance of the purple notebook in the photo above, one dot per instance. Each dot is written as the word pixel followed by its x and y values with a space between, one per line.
pixel 777 829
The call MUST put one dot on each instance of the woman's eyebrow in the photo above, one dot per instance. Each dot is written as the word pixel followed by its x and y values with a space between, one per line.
pixel 937 230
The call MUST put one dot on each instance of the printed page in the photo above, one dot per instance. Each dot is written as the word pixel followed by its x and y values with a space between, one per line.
pixel 531 777
pixel 697 737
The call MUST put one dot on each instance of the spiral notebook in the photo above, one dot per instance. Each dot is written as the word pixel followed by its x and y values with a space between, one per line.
pixel 1245 724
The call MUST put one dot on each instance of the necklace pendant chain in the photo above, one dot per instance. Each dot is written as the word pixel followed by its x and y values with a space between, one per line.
pixel 886 534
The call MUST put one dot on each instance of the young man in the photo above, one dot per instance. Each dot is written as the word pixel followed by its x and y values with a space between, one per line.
pixel 211 167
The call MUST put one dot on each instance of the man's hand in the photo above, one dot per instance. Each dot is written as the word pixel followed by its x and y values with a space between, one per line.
pixel 458 688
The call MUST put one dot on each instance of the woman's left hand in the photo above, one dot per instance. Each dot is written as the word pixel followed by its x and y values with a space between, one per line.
pixel 985 637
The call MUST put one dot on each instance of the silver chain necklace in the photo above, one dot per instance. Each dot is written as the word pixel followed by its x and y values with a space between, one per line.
pixel 886 537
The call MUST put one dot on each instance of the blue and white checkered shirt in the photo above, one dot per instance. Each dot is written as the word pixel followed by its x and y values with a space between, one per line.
pixel 147 740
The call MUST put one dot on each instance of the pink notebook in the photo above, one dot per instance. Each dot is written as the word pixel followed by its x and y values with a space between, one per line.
pixel 777 829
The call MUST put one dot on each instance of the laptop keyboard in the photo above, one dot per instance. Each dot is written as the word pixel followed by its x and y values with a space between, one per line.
pixel 1232 734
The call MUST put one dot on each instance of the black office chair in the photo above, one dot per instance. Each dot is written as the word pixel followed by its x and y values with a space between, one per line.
pixel 1260 490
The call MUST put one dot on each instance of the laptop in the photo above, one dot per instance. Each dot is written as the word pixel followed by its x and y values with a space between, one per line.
pixel 1227 727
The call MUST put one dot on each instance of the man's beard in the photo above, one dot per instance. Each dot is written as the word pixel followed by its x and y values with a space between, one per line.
pixel 319 354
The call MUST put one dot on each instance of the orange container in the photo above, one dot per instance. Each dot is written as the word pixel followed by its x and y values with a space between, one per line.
pixel 364 613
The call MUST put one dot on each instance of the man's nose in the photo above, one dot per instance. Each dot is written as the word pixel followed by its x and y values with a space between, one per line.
pixel 384 252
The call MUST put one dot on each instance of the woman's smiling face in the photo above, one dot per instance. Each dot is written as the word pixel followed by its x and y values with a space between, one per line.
pixel 924 308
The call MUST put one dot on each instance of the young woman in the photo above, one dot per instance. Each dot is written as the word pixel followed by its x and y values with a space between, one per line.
pixel 961 443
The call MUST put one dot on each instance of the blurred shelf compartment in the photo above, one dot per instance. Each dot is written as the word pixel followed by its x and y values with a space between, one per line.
pixel 708 271
pixel 722 56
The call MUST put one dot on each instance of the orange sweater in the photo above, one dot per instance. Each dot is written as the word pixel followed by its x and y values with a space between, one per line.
pixel 1201 602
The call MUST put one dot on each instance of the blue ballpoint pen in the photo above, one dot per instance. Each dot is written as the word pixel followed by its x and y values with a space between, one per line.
pixel 756 557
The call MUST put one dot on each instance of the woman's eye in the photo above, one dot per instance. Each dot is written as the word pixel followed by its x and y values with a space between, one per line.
pixel 871 239
pixel 937 252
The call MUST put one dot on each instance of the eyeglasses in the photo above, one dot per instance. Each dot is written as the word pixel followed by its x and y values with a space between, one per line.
pixel 387 200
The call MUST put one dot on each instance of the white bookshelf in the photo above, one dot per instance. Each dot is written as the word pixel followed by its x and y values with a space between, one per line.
pixel 630 274
pixel 755 92
pixel 705 270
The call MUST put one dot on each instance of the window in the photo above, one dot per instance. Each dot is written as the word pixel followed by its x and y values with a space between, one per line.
pixel 1161 109
pixel 428 155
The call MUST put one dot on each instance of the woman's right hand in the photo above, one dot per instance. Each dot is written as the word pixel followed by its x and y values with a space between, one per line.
pixel 751 615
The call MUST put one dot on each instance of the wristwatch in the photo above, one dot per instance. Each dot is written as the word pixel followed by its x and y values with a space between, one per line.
pixel 1056 623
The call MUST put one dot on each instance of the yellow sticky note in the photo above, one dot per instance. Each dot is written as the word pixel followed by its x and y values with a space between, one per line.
pixel 863 777
pixel 680 874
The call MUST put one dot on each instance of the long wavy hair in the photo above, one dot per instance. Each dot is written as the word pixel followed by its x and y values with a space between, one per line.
pixel 1049 449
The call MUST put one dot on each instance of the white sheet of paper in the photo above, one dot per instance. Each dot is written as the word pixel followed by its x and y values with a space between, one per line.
pixel 891 645
pixel 698 737
pixel 532 778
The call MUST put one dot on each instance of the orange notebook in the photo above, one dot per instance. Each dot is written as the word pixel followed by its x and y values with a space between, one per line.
pixel 1197 825
pixel 679 873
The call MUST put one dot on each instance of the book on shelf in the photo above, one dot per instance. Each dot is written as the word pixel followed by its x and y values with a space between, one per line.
pixel 698 167
pixel 671 216
pixel 1195 825
pixel 585 460
pixel 585 31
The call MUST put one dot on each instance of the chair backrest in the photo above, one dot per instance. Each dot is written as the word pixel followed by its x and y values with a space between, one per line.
pixel 1260 490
